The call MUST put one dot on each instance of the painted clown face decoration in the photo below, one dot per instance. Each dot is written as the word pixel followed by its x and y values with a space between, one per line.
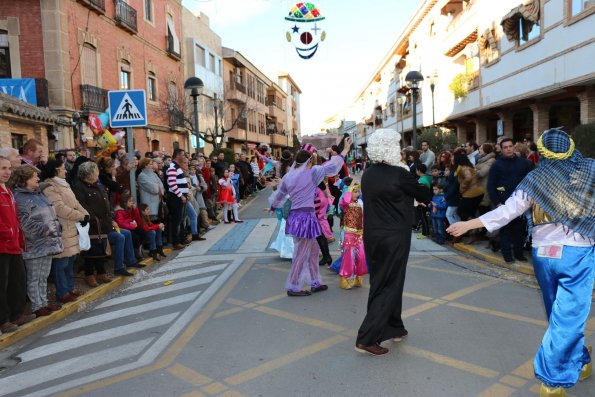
pixel 304 31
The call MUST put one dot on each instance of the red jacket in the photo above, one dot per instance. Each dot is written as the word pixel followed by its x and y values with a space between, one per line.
pixel 11 236
pixel 124 218
pixel 139 221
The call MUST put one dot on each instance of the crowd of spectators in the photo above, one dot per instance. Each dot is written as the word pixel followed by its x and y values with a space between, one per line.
pixel 469 181
pixel 47 203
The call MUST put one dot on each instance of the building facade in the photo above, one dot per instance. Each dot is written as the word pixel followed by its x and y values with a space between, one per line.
pixel 513 68
pixel 203 58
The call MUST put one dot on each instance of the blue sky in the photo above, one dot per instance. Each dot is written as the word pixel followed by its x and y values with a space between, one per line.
pixel 358 36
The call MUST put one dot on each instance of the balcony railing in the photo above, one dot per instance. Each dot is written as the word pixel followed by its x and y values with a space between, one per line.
pixel 125 16
pixel 171 51
pixel 242 125
pixel 41 90
pixel 240 87
pixel 176 119
pixel 94 98
pixel 96 5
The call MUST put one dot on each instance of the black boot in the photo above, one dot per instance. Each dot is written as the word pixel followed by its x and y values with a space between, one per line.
pixel 160 251
pixel 153 254
pixel 326 255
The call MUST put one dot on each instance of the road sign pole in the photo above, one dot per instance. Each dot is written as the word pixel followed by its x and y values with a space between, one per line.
pixel 131 159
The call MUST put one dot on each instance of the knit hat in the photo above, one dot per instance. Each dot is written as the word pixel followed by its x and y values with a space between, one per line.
pixel 308 148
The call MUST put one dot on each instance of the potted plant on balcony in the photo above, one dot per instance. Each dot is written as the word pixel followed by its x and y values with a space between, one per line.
pixel 460 85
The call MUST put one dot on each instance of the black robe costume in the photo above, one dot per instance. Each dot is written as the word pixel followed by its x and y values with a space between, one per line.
pixel 387 193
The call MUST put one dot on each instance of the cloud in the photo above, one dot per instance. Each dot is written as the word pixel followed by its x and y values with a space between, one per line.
pixel 228 12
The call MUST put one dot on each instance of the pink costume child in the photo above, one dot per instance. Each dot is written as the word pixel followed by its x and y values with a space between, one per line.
pixel 227 196
pixel 353 263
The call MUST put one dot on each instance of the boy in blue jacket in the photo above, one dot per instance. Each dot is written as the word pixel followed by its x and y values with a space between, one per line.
pixel 438 212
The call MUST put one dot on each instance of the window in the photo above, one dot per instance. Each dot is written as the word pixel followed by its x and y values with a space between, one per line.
pixel 199 55
pixel 578 6
pixel 212 63
pixel 17 141
pixel 152 87
pixel 89 65
pixel 125 82
pixel 172 91
pixel 173 43
pixel 528 30
pixel 149 10
pixel 4 55
pixel 220 70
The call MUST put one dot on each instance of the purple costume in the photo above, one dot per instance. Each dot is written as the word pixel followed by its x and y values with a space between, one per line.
pixel 300 186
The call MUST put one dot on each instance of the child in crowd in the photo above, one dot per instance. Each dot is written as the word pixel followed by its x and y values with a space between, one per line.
pixel 322 201
pixel 344 185
pixel 437 175
pixel 438 212
pixel 422 211
pixel 125 215
pixel 154 232
pixel 235 178
pixel 227 196
pixel 353 263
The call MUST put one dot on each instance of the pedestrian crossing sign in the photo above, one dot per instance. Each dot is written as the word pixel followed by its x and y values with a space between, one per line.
pixel 127 108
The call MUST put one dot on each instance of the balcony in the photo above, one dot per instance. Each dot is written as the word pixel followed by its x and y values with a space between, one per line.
pixel 125 16
pixel 235 92
pixel 276 112
pixel 279 140
pixel 176 119
pixel 94 98
pixel 171 48
pixel 94 5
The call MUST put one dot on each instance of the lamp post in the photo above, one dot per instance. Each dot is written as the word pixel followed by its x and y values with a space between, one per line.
pixel 196 86
pixel 413 79
pixel 433 78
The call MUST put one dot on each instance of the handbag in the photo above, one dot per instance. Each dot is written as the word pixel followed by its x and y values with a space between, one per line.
pixel 84 240
pixel 162 211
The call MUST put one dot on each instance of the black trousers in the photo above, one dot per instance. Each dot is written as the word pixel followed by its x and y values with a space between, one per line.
pixel 512 239
pixel 13 287
pixel 467 208
pixel 94 265
pixel 422 215
pixel 176 212
pixel 386 253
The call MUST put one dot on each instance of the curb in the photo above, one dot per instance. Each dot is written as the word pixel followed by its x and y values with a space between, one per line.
pixel 495 260
pixel 40 323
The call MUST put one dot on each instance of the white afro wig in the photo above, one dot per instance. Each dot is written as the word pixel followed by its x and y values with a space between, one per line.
pixel 383 145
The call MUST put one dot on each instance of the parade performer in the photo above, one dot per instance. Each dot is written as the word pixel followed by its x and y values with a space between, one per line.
pixel 321 203
pixel 387 191
pixel 227 196
pixel 283 243
pixel 353 263
pixel 300 185
pixel 561 194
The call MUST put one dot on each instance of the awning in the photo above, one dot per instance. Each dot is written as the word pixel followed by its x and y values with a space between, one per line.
pixel 460 46
pixel 529 12
pixel 172 32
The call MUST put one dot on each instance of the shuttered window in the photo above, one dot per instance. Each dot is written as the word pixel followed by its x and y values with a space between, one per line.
pixel 89 65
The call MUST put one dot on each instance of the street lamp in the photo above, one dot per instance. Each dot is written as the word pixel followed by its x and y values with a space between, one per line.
pixel 196 86
pixel 413 79
pixel 433 78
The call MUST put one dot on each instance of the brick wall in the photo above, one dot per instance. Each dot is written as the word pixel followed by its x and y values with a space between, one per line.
pixel 30 39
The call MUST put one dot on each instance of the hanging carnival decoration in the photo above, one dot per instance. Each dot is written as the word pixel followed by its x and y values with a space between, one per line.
pixel 304 31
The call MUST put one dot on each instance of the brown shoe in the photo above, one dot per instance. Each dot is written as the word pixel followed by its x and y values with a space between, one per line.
pixel 179 246
pixel 77 292
pixel 8 327
pixel 104 278
pixel 91 282
pixel 375 350
pixel 54 307
pixel 68 298
pixel 44 311
pixel 24 319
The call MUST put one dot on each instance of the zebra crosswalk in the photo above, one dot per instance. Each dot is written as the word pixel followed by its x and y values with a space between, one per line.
pixel 123 333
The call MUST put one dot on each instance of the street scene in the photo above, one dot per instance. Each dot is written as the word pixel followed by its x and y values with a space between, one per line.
pixel 278 198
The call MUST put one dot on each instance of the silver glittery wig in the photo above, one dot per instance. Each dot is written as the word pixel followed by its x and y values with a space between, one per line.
pixel 383 146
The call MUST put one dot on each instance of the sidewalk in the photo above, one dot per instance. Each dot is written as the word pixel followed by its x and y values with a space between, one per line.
pixel 481 251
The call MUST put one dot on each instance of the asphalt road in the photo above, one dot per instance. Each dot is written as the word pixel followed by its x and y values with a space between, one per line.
pixel 215 321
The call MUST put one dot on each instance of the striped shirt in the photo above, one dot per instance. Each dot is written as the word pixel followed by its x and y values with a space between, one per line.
pixel 176 181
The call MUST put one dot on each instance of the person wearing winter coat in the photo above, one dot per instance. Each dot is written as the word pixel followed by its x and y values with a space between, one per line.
pixel 482 168
pixel 42 231
pixel 150 186
pixel 13 284
pixel 69 212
